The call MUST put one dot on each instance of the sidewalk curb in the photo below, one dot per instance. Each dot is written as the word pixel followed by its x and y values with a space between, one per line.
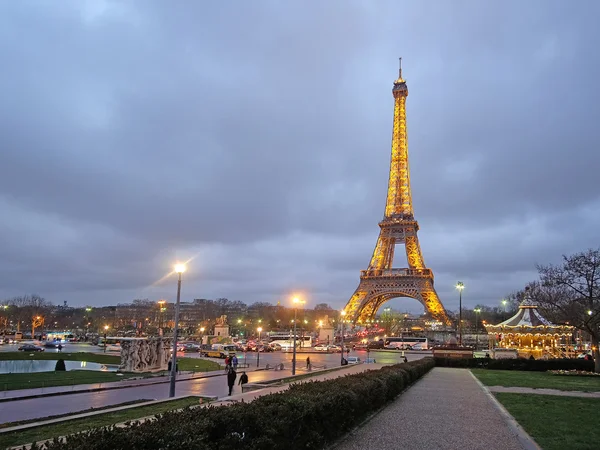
pixel 524 439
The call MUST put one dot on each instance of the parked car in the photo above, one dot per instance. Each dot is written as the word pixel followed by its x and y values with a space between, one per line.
pixel 191 348
pixel 321 348
pixel 31 348
pixel 353 360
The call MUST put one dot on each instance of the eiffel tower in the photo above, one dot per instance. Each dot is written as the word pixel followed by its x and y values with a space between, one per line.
pixel 381 282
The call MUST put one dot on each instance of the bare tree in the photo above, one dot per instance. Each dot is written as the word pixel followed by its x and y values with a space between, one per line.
pixel 30 308
pixel 571 292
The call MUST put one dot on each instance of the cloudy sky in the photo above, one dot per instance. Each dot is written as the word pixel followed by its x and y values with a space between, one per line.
pixel 254 138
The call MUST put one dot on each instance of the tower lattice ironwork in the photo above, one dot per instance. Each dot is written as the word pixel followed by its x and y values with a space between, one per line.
pixel 381 282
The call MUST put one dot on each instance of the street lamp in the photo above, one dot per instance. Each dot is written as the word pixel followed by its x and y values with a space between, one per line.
pixel 105 343
pixel 476 311
pixel 460 286
pixel 161 310
pixel 179 269
pixel 296 301
pixel 343 314
pixel 504 302
pixel 259 329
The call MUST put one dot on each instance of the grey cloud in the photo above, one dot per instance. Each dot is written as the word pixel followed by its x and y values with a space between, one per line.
pixel 256 137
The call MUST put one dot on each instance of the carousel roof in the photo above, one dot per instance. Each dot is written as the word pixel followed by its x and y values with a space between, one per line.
pixel 527 317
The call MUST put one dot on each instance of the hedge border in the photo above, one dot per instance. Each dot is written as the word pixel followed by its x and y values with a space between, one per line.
pixel 536 365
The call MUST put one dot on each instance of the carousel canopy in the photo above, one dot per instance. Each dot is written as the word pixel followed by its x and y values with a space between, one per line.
pixel 528 318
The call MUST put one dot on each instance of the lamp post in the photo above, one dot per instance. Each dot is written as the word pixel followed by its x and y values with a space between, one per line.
pixel 296 302
pixel 161 310
pixel 460 286
pixel 105 343
pixel 504 302
pixel 259 329
pixel 477 311
pixel 179 269
pixel 343 314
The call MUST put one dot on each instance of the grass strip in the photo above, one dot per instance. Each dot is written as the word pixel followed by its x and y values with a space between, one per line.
pixel 58 416
pixel 517 378
pixel 99 358
pixel 46 432
pixel 556 423
pixel 14 381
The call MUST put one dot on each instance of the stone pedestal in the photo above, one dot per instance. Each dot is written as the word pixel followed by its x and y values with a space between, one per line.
pixel 222 331
pixel 326 335
pixel 144 355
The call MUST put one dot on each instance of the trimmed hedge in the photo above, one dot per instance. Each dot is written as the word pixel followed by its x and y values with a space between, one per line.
pixel 308 415
pixel 537 365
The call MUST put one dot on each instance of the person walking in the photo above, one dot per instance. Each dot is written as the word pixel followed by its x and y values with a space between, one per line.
pixel 234 362
pixel 308 363
pixel 59 348
pixel 226 363
pixel 405 360
pixel 231 375
pixel 243 380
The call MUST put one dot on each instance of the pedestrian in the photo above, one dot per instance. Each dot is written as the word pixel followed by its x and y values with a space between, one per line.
pixel 405 360
pixel 231 375
pixel 353 347
pixel 226 363
pixel 347 352
pixel 234 362
pixel 59 348
pixel 243 380
pixel 308 362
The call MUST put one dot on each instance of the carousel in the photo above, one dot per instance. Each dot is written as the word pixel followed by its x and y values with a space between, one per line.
pixel 531 334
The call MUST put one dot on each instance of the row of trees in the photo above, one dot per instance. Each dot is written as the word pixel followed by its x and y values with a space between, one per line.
pixel 28 309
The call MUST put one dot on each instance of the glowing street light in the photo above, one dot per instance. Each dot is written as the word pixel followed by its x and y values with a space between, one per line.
pixel 476 311
pixel 179 269
pixel 105 343
pixel 259 329
pixel 343 314
pixel 296 301
pixel 460 286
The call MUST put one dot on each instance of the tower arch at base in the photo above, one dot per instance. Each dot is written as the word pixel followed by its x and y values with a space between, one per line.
pixel 372 293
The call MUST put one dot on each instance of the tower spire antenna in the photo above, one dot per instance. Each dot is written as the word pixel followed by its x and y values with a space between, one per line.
pixel 400 70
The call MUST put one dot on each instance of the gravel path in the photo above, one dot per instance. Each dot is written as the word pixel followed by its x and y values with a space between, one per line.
pixel 447 409
pixel 542 391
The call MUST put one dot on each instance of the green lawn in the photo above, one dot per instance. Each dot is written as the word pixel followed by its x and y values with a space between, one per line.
pixel 556 423
pixel 74 426
pixel 76 356
pixel 47 379
pixel 12 381
pixel 519 378
pixel 197 365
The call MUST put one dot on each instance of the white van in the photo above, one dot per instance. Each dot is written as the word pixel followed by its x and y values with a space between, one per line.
pixel 505 353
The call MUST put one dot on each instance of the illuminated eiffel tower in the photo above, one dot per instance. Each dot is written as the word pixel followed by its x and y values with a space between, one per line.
pixel 381 282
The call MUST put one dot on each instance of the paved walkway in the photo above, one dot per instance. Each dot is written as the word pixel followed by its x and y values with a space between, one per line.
pixel 446 410
pixel 542 391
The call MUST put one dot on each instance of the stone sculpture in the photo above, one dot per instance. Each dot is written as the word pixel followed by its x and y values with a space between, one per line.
pixel 144 355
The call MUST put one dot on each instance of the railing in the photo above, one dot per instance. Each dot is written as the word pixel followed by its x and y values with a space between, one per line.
pixel 395 273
